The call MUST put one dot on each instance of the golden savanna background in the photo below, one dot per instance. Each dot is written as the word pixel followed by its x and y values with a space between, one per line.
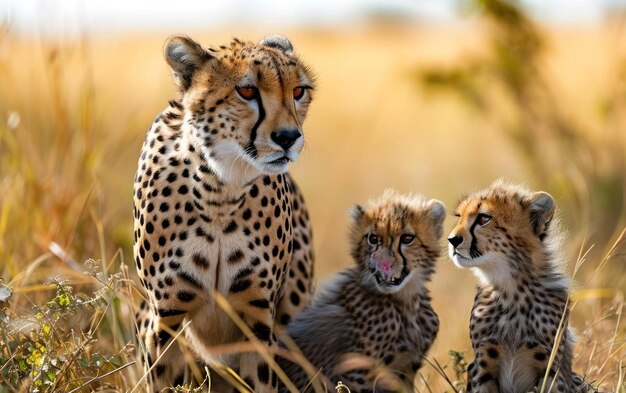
pixel 440 105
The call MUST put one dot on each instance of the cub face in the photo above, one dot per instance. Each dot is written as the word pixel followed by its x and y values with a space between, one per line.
pixel 498 225
pixel 395 240
pixel 243 102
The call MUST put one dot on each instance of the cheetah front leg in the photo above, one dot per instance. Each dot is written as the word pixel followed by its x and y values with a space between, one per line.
pixel 257 308
pixel 485 369
pixel 168 366
pixel 171 301
pixel 559 380
pixel 298 286
pixel 564 383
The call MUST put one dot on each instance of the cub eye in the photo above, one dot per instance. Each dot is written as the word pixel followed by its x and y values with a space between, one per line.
pixel 372 239
pixel 298 92
pixel 407 238
pixel 483 219
pixel 247 92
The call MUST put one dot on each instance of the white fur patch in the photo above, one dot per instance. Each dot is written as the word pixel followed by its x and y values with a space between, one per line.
pixel 230 163
pixel 490 268
pixel 516 373
pixel 493 271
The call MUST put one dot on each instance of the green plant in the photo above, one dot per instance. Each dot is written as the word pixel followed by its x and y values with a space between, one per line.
pixel 55 346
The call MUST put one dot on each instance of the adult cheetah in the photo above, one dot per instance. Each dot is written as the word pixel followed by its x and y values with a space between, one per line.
pixel 508 237
pixel 380 308
pixel 215 210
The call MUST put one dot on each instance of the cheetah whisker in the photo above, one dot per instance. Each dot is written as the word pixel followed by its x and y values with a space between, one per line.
pixel 241 155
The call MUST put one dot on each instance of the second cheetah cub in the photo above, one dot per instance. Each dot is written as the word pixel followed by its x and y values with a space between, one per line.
pixel 508 237
pixel 379 309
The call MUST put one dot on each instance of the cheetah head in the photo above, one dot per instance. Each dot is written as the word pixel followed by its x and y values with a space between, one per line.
pixel 500 230
pixel 244 103
pixel 395 241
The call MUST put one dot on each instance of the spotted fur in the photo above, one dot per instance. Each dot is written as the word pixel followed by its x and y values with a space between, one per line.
pixel 508 237
pixel 215 210
pixel 380 308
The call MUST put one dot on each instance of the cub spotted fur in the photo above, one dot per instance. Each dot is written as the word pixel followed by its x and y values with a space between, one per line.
pixel 380 308
pixel 508 237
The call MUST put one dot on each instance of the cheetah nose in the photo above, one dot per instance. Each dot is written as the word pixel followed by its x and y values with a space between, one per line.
pixel 455 240
pixel 385 266
pixel 285 138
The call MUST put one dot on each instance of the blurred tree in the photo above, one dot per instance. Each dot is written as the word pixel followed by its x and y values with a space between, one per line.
pixel 586 167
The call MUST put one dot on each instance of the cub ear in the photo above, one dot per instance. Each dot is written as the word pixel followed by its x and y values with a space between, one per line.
pixel 278 42
pixel 356 213
pixel 542 207
pixel 437 213
pixel 185 57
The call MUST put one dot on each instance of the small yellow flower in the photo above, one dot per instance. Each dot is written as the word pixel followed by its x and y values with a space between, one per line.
pixel 63 299
pixel 35 357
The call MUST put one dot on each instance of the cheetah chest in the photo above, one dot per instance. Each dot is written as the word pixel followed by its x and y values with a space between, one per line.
pixel 393 333
pixel 201 239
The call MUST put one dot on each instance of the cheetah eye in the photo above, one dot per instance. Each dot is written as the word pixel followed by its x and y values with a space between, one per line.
pixel 298 92
pixel 372 239
pixel 483 219
pixel 407 238
pixel 247 92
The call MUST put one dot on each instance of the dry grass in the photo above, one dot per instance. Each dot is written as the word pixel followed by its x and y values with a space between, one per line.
pixel 73 115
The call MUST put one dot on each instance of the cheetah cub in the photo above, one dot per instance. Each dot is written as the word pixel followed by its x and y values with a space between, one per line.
pixel 508 237
pixel 380 308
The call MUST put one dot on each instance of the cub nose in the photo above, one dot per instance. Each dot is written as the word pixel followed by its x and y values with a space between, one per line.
pixel 285 138
pixel 455 240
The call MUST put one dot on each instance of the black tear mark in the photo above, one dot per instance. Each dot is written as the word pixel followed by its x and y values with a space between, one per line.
pixel 474 253
pixel 251 149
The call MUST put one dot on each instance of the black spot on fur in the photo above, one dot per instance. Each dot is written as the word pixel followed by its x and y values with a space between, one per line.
pixel 263 373
pixel 231 227
pixel 189 279
pixel 235 256
pixel 243 273
pixel 240 286
pixel 159 370
pixel 262 331
pixel 185 296
pixel 295 299
pixel 260 303
pixel 200 260
pixel 169 313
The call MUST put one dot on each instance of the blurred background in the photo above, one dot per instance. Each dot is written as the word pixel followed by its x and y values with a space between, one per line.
pixel 432 97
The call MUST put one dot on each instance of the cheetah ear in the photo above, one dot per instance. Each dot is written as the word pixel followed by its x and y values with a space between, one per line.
pixel 437 212
pixel 278 42
pixel 542 207
pixel 185 57
pixel 356 213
